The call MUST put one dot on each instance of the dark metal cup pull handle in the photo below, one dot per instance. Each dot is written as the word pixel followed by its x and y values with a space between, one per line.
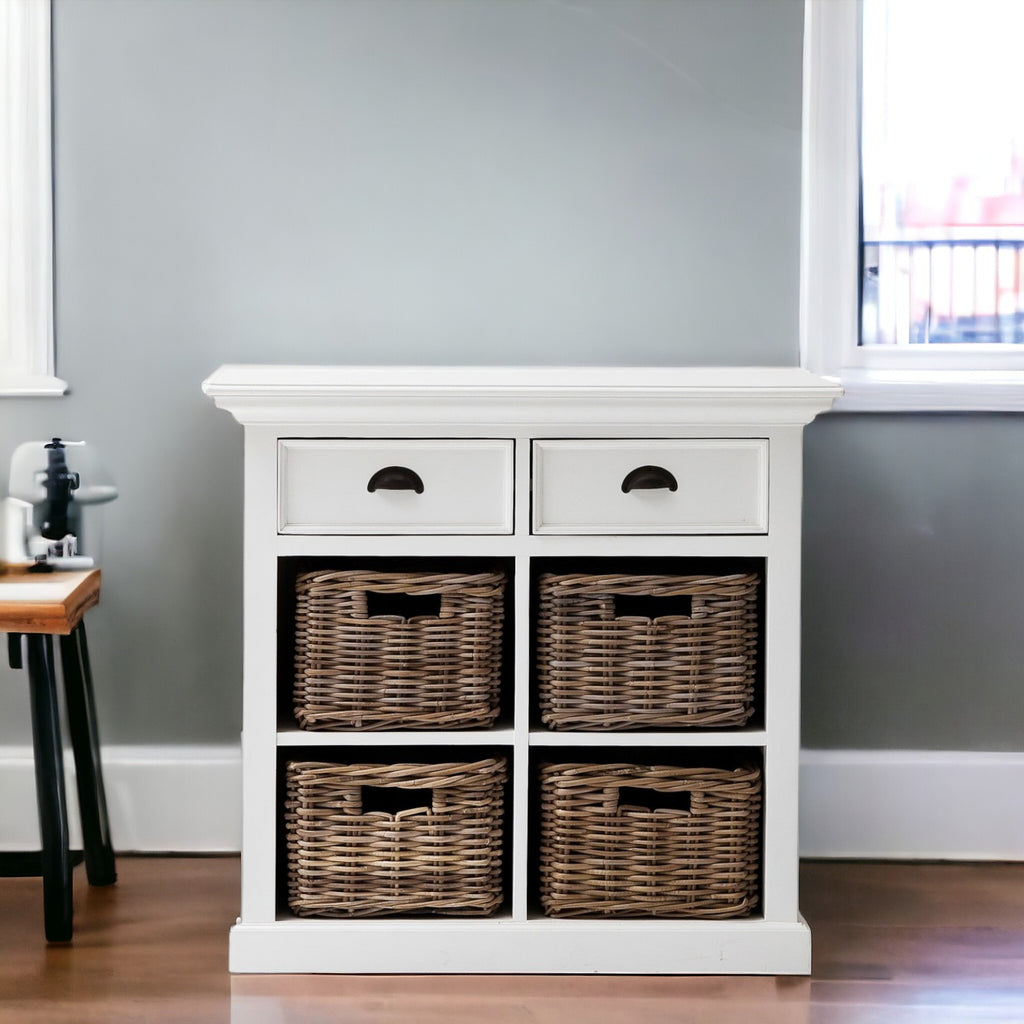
pixel 395 478
pixel 648 478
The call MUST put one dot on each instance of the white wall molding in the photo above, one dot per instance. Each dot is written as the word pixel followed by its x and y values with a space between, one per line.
pixel 872 804
pixel 912 804
pixel 161 799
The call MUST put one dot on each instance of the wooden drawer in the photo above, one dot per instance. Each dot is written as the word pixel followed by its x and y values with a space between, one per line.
pixel 339 486
pixel 706 485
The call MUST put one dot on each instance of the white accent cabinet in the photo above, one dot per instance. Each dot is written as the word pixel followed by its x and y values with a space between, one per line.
pixel 525 466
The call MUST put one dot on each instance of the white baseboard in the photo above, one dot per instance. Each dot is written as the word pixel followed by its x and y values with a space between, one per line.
pixel 912 804
pixel 872 804
pixel 171 799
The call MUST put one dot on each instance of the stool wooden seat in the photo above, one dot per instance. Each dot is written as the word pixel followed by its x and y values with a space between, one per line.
pixel 34 608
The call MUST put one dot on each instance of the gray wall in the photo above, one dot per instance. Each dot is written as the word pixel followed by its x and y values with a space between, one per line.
pixel 913 605
pixel 468 181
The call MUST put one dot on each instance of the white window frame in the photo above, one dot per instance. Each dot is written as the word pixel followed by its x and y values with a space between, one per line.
pixel 26 202
pixel 874 379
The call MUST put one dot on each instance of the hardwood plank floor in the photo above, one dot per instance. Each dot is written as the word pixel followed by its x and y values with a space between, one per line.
pixel 893 944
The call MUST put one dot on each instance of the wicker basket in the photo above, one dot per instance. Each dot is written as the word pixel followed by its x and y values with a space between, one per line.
pixel 601 669
pixel 609 852
pixel 439 855
pixel 358 670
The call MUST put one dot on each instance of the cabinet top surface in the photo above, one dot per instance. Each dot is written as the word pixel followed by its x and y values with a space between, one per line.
pixel 281 394
pixel 267 378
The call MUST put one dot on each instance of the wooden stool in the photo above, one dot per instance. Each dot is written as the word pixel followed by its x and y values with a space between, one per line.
pixel 39 607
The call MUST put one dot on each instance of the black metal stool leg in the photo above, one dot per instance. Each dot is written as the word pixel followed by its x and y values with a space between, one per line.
pixel 14 650
pixel 92 801
pixel 53 819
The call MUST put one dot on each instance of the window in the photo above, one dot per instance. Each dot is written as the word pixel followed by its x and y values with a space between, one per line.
pixel 26 220
pixel 918 302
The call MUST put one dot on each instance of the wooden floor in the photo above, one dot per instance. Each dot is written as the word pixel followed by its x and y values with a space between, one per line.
pixel 893 944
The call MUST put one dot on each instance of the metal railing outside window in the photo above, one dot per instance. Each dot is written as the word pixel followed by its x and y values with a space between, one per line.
pixel 929 291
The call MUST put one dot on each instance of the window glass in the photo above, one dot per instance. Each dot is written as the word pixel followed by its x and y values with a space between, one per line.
pixel 942 142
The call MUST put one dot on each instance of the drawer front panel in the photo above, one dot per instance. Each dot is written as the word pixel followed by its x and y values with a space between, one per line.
pixel 702 486
pixel 337 487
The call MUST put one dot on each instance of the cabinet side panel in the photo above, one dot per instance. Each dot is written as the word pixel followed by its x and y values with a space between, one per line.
pixel 782 679
pixel 259 668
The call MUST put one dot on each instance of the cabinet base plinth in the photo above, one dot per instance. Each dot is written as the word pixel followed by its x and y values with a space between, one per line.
pixel 528 947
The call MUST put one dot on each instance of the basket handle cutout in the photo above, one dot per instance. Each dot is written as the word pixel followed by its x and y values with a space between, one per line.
pixel 394 799
pixel 407 606
pixel 395 478
pixel 655 800
pixel 647 606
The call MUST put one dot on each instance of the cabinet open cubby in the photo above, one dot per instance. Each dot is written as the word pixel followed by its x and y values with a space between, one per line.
pixel 631 659
pixel 413 827
pixel 368 654
pixel 645 832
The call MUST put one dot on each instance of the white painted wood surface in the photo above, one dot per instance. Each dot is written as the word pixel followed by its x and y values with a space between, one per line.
pixel 466 486
pixel 451 401
pixel 759 411
pixel 721 486
pixel 542 946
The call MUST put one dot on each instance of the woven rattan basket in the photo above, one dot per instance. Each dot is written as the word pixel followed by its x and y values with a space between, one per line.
pixel 609 850
pixel 602 668
pixel 358 670
pixel 441 854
